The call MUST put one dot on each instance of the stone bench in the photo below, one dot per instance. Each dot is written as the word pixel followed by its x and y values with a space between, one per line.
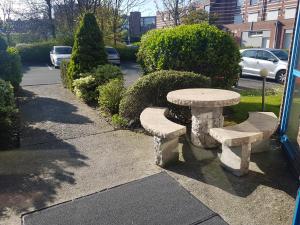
pixel 166 134
pixel 237 140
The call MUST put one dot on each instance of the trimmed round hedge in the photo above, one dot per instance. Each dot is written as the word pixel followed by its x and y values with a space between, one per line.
pixel 200 48
pixel 152 89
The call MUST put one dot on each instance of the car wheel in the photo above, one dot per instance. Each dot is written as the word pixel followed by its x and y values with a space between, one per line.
pixel 281 76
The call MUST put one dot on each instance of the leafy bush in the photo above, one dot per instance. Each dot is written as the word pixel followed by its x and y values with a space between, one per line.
pixel 104 73
pixel 127 53
pixel 85 88
pixel 200 48
pixel 10 65
pixel 66 80
pixel 88 50
pixel 119 121
pixel 152 89
pixel 37 52
pixel 3 44
pixel 9 131
pixel 110 95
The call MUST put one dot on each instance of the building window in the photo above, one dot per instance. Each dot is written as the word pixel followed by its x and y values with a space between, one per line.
pixel 290 13
pixel 252 17
pixel 238 18
pixel 272 15
pixel 287 39
pixel 207 8
pixel 239 3
pixel 253 2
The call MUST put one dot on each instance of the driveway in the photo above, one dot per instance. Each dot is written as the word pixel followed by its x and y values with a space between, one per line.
pixel 68 151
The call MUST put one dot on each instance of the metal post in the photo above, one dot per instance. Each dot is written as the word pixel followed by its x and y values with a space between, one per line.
pixel 263 93
pixel 296 220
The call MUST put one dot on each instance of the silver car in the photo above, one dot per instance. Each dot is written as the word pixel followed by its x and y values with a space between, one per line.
pixel 113 56
pixel 60 53
pixel 274 60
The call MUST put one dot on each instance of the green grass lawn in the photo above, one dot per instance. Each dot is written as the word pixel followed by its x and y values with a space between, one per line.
pixel 251 102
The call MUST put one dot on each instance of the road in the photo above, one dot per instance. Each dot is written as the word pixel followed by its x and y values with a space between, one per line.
pixel 132 72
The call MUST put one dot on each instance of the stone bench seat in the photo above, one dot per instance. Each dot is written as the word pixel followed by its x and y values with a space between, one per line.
pixel 166 134
pixel 237 140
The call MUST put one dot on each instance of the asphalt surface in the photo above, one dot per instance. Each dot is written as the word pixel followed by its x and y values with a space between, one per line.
pixel 47 74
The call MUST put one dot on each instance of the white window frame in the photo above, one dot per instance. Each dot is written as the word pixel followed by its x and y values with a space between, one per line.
pixel 291 13
pixel 252 17
pixel 272 15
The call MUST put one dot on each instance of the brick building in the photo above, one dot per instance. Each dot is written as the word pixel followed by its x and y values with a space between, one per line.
pixel 264 23
pixel 139 25
pixel 224 9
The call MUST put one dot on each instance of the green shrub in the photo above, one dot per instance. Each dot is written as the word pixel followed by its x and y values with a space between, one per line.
pixel 200 48
pixel 9 131
pixel 85 88
pixel 66 80
pixel 10 66
pixel 88 50
pixel 36 52
pixel 3 44
pixel 152 89
pixel 110 95
pixel 119 121
pixel 127 53
pixel 104 73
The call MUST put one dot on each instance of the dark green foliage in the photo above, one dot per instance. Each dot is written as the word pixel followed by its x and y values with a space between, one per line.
pixel 66 80
pixel 200 48
pixel 104 73
pixel 86 86
pixel 88 50
pixel 152 89
pixel 10 66
pixel 9 132
pixel 37 52
pixel 3 44
pixel 127 53
pixel 110 95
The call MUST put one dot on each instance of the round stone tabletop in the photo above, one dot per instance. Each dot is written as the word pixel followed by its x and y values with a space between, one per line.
pixel 204 97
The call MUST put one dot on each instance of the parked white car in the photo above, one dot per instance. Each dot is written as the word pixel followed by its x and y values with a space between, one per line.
pixel 60 53
pixel 274 60
pixel 113 56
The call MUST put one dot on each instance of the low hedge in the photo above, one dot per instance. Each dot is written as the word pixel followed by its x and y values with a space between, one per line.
pixel 9 126
pixel 152 89
pixel 66 80
pixel 127 53
pixel 200 48
pixel 10 66
pixel 86 86
pixel 37 52
pixel 110 95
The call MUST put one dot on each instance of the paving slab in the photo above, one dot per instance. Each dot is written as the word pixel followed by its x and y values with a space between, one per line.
pixel 50 112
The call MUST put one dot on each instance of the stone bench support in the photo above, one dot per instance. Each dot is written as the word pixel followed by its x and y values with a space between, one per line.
pixel 237 140
pixel 166 134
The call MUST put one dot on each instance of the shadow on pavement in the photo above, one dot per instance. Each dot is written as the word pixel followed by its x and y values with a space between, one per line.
pixel 30 176
pixel 205 166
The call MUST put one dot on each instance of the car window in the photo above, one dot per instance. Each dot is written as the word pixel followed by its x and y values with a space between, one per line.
pixel 63 50
pixel 264 55
pixel 249 53
pixel 280 54
pixel 111 51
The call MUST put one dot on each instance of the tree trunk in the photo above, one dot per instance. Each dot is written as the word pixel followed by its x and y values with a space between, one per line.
pixel 49 12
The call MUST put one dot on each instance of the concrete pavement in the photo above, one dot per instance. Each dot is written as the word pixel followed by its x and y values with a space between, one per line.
pixel 68 151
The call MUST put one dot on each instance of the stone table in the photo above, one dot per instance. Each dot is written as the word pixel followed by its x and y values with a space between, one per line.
pixel 207 110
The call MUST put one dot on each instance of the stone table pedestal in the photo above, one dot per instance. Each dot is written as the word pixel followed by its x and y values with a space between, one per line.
pixel 202 120
pixel 207 108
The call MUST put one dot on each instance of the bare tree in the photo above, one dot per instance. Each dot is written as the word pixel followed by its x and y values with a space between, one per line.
pixel 6 7
pixel 174 9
